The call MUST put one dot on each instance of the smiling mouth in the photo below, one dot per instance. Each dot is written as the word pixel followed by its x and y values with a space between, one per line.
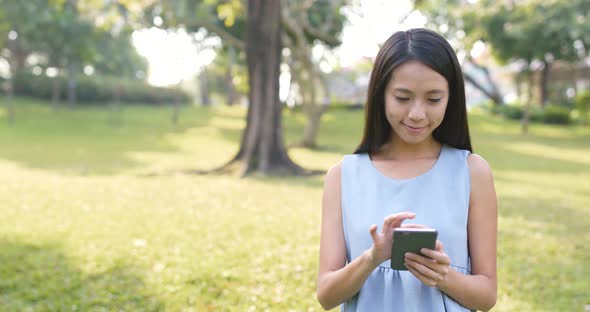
pixel 414 129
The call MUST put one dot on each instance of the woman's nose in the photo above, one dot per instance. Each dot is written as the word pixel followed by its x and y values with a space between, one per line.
pixel 417 112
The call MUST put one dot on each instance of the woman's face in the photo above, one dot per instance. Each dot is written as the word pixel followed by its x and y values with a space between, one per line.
pixel 416 98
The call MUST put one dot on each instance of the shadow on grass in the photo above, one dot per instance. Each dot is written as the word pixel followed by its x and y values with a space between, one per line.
pixel 502 157
pixel 86 141
pixel 40 278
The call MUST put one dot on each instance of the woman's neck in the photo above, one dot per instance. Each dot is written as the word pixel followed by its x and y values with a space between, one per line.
pixel 397 149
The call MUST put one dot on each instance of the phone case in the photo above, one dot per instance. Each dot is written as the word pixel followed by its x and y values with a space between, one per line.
pixel 410 240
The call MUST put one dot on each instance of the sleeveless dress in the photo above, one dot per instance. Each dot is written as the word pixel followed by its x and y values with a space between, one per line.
pixel 439 198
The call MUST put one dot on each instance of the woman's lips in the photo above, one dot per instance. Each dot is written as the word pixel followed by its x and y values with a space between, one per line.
pixel 414 130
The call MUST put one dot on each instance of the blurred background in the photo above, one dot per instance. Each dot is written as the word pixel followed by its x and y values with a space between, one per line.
pixel 125 178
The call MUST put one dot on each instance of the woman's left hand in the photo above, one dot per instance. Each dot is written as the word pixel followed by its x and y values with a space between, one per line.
pixel 432 268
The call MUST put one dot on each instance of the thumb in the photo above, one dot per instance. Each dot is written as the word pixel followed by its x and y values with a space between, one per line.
pixel 439 246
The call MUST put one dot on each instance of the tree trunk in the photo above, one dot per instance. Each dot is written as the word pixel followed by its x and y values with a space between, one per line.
pixel 71 85
pixel 262 149
pixel 527 109
pixel 231 95
pixel 18 54
pixel 518 86
pixel 310 106
pixel 312 127
pixel 176 107
pixel 13 64
pixel 116 105
pixel 55 93
pixel 544 83
pixel 316 110
pixel 204 88
pixel 9 100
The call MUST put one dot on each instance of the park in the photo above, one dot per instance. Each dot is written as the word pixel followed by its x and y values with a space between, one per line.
pixel 118 195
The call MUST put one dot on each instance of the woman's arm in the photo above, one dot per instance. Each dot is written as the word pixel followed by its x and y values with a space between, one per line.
pixel 478 291
pixel 338 281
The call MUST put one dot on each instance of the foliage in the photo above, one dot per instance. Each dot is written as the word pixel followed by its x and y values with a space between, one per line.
pixel 218 69
pixel 525 33
pixel 61 37
pixel 98 89
pixel 583 104
pixel 536 114
pixel 117 56
pixel 554 114
pixel 513 111
pixel 536 30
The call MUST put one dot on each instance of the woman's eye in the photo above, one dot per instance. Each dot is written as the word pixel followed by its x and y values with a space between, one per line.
pixel 434 100
pixel 402 99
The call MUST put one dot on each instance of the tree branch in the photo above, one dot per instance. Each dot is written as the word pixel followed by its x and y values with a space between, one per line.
pixel 477 85
pixel 320 35
pixel 486 72
pixel 222 33
pixel 300 14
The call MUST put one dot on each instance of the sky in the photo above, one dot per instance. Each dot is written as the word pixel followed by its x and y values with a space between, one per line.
pixel 173 57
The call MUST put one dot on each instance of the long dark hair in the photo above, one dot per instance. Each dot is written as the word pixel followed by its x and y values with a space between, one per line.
pixel 431 49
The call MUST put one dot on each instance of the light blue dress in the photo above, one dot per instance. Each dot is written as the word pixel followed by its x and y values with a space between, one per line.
pixel 440 199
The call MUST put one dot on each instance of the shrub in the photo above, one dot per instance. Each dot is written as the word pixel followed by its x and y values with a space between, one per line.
pixel 99 90
pixel 493 108
pixel 583 105
pixel 556 115
pixel 512 111
pixel 536 114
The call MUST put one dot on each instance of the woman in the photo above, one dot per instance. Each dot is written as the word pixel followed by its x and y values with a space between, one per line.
pixel 414 162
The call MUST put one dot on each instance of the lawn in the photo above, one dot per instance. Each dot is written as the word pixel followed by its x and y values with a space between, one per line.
pixel 97 217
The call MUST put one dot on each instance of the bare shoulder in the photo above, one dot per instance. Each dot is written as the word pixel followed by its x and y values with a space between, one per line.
pixel 478 167
pixel 334 175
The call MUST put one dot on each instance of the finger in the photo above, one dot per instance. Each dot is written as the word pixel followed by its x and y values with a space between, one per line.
pixel 373 232
pixel 420 259
pixel 419 275
pixel 427 262
pixel 438 256
pixel 442 267
pixel 425 271
pixel 394 220
pixel 398 218
pixel 414 226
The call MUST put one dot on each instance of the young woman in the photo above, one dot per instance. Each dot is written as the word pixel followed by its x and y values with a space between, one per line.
pixel 414 162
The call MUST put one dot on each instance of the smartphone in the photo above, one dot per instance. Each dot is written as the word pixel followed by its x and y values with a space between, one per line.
pixel 410 240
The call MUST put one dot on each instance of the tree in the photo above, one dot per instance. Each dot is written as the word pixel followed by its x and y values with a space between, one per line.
pixel 540 31
pixel 18 33
pixel 262 148
pixel 537 31
pixel 304 24
pixel 229 73
pixel 307 22
pixel 456 20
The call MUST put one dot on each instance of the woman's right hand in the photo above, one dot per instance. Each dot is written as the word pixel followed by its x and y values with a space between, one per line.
pixel 381 249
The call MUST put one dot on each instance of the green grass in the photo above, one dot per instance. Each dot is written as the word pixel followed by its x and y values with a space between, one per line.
pixel 95 219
